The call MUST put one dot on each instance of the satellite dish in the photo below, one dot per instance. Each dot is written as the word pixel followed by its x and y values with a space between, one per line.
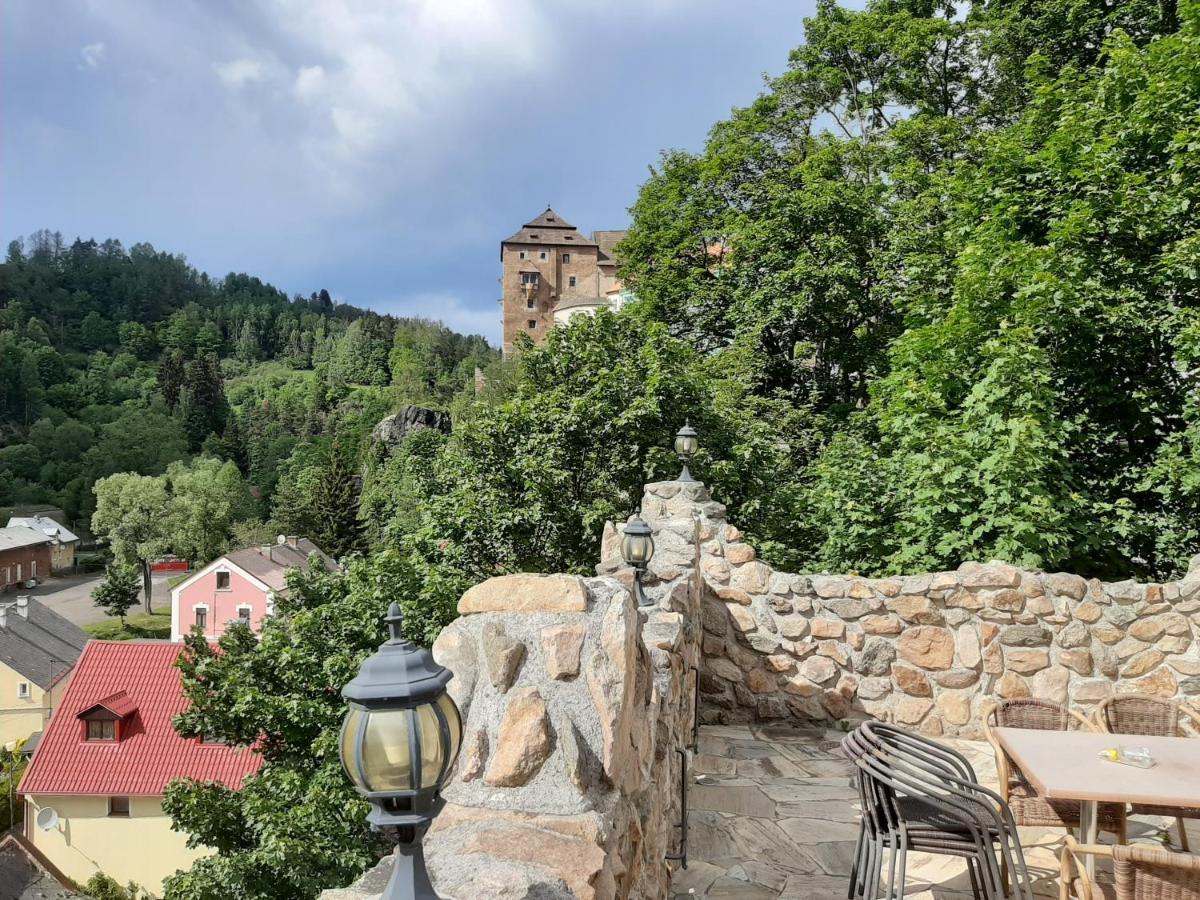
pixel 281 538
pixel 47 818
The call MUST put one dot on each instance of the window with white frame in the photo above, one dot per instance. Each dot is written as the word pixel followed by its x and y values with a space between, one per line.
pixel 23 690
pixel 201 617
pixel 243 615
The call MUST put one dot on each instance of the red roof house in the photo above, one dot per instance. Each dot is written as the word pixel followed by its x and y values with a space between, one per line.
pixel 94 787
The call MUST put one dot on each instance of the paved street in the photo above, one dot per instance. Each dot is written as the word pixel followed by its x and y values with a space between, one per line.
pixel 71 596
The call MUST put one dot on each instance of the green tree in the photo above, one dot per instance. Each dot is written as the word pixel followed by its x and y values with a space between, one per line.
pixel 131 516
pixel 117 593
pixel 297 826
pixel 207 500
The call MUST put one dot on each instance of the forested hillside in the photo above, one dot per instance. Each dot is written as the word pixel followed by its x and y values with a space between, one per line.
pixel 115 360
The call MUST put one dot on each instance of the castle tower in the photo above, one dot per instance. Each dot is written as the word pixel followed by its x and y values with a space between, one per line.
pixel 547 263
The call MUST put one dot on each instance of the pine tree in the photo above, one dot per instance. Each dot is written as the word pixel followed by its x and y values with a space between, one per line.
pixel 337 529
pixel 170 377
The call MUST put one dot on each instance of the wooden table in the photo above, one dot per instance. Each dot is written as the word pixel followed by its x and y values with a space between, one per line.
pixel 1066 765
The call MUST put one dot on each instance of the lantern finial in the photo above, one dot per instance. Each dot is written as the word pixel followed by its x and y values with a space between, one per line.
pixel 395 622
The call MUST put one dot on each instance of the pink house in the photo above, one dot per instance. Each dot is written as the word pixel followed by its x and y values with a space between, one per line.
pixel 239 587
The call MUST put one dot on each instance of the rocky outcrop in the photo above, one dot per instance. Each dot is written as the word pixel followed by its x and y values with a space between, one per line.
pixel 391 431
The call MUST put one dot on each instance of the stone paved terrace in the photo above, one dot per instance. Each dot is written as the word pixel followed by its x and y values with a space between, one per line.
pixel 774 816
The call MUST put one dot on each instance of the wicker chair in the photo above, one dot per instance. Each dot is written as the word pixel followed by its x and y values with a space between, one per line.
pixel 1141 873
pixel 1028 807
pixel 1139 714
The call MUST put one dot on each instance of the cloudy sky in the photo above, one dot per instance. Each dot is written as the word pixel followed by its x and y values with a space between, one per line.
pixel 377 148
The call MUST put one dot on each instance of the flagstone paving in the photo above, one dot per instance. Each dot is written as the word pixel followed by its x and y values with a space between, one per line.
pixel 774 816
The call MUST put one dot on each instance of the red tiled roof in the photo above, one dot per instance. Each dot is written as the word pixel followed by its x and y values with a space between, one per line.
pixel 150 753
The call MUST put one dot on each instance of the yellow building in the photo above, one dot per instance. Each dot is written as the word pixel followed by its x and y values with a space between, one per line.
pixel 38 647
pixel 93 791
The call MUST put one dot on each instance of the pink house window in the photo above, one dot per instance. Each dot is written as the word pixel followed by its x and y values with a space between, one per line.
pixel 222 581
pixel 201 618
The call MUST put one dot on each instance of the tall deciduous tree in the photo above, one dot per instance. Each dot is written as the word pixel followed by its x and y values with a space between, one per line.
pixel 131 516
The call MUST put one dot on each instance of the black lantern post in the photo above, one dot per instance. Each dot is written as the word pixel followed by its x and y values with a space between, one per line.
pixel 686 446
pixel 399 741
pixel 637 549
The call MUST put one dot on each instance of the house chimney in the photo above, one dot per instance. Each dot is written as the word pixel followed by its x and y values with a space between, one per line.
pixel 265 550
pixel 293 539
pixel 23 606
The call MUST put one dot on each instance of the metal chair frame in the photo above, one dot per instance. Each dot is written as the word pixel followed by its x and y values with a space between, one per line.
pixel 893 765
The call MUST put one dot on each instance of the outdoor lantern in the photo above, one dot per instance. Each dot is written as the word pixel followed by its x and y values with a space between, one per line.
pixel 637 548
pixel 399 741
pixel 686 446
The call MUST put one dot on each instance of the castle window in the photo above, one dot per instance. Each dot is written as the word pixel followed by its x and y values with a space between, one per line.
pixel 542 254
pixel 571 281
pixel 528 278
pixel 566 258
pixel 569 237
pixel 521 255
pixel 532 324
pixel 530 303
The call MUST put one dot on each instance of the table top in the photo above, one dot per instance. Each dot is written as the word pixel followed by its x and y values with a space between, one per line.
pixel 1065 765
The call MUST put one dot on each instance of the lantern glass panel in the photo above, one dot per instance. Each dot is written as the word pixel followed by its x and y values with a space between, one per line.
pixel 454 723
pixel 387 756
pixel 432 752
pixel 349 745
pixel 686 445
pixel 637 548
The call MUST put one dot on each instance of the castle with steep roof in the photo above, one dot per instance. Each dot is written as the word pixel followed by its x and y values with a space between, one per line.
pixel 552 271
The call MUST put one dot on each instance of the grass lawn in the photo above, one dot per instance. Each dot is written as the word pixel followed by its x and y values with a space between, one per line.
pixel 137 625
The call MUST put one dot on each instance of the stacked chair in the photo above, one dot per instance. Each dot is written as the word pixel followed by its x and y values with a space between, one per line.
pixel 1139 714
pixel 919 795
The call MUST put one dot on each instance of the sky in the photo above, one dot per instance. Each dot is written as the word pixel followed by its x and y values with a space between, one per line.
pixel 380 149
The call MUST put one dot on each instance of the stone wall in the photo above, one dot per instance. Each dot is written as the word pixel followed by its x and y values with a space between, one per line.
pixel 575 704
pixel 928 651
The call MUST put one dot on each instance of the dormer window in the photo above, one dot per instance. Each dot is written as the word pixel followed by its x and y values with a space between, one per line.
pixel 105 720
